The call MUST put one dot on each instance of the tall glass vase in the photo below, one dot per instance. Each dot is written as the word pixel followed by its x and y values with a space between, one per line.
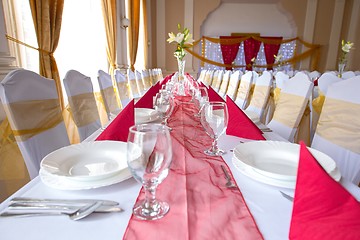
pixel 181 77
pixel 341 68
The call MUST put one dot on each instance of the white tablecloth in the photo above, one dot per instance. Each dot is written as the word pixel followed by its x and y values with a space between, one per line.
pixel 271 211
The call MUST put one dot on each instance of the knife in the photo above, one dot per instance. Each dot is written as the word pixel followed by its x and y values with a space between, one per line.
pixel 287 196
pixel 62 201
pixel 59 207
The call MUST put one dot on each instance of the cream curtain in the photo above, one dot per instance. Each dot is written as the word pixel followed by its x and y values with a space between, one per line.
pixel 109 13
pixel 47 16
pixel 144 12
pixel 134 15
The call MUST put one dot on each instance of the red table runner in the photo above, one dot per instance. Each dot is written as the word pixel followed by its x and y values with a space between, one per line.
pixel 201 207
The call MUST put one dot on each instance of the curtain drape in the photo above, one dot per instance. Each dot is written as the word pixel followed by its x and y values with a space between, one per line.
pixel 251 49
pixel 271 50
pixel 47 16
pixel 144 12
pixel 109 14
pixel 134 16
pixel 229 52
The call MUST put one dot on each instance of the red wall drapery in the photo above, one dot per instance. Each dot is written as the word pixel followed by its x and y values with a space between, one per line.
pixel 271 50
pixel 229 52
pixel 251 49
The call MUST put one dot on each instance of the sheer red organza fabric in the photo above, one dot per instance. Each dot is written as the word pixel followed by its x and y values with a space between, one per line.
pixel 201 207
pixel 251 49
pixel 271 50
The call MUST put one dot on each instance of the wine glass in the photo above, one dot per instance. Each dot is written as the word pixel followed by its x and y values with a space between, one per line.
pixel 149 154
pixel 214 119
pixel 202 98
pixel 164 105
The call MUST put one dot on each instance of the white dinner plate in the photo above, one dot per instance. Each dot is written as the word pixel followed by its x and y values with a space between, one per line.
pixel 86 161
pixel 145 115
pixel 276 163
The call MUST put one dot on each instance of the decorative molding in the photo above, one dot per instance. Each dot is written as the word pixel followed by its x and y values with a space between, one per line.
pixel 309 28
pixel 334 39
pixel 160 34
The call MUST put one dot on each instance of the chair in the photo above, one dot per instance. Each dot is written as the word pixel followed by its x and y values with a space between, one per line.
pixel 208 77
pixel 108 94
pixel 135 91
pixel 234 83
pixel 32 107
pixel 348 74
pixel 290 108
pixel 216 79
pixel 79 90
pixel 314 75
pixel 261 95
pixel 244 90
pixel 123 88
pixel 145 75
pixel 140 83
pixel 224 83
pixel 338 130
pixel 201 77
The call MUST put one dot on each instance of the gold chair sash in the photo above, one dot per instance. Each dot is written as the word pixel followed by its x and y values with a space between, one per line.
pixel 147 82
pixel 276 95
pixel 47 115
pixel 86 111
pixel 133 87
pixel 207 78
pixel 318 103
pixel 110 97
pixel 303 131
pixel 243 90
pixel 339 123
pixel 289 105
pixel 260 96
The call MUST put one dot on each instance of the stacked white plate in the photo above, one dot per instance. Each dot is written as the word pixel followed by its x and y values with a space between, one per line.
pixel 145 115
pixel 85 165
pixel 275 163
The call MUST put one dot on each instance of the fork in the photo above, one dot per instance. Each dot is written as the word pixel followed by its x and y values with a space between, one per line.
pixel 229 183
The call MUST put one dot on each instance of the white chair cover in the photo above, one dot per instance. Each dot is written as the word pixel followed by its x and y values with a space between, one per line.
pixel 145 75
pixel 280 79
pixel 234 84
pixel 338 130
pixel 201 77
pixel 108 94
pixel 216 80
pixel 348 74
pixel 314 75
pixel 224 83
pixel 261 95
pixel 244 90
pixel 123 88
pixel 140 83
pixel 31 104
pixel 135 90
pixel 82 102
pixel 208 77
pixel 290 108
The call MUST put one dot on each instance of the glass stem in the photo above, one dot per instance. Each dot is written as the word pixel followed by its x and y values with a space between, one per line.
pixel 214 147
pixel 150 198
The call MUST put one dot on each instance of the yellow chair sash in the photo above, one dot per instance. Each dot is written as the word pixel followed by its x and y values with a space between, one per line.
pixel 339 123
pixel 86 111
pixel 147 82
pixel 133 87
pixel 318 103
pixel 260 96
pixel 140 84
pixel 243 89
pixel 207 79
pixel 289 105
pixel 303 131
pixel 276 95
pixel 45 114
pixel 111 102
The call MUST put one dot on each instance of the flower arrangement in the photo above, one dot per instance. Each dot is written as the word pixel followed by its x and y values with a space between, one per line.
pixel 345 49
pixel 183 40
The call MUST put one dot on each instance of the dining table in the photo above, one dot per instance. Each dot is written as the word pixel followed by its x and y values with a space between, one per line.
pixel 267 209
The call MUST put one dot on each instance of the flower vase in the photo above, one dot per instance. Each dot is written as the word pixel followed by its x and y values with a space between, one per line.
pixel 341 68
pixel 181 78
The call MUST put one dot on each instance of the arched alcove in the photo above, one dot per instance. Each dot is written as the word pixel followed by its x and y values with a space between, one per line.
pixel 262 16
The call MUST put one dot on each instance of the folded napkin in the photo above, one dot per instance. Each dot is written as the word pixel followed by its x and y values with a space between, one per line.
pixel 118 129
pixel 214 96
pixel 146 101
pixel 240 124
pixel 323 209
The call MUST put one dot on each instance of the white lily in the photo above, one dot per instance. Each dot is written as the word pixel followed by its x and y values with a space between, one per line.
pixel 347 47
pixel 189 39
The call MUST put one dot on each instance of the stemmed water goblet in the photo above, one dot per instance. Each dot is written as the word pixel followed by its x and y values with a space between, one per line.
pixel 164 105
pixel 202 98
pixel 149 154
pixel 214 119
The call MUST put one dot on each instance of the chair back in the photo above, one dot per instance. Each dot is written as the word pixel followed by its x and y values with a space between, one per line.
pixel 290 108
pixel 124 90
pixel 338 130
pixel 348 74
pixel 135 90
pixel 145 75
pixel 216 80
pixel 140 83
pixel 243 92
pixel 108 93
pixel 32 107
pixel 224 83
pixel 82 102
pixel 261 94
pixel 234 83
pixel 208 78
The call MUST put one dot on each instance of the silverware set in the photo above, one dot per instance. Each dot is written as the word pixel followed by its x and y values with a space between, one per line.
pixel 75 209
